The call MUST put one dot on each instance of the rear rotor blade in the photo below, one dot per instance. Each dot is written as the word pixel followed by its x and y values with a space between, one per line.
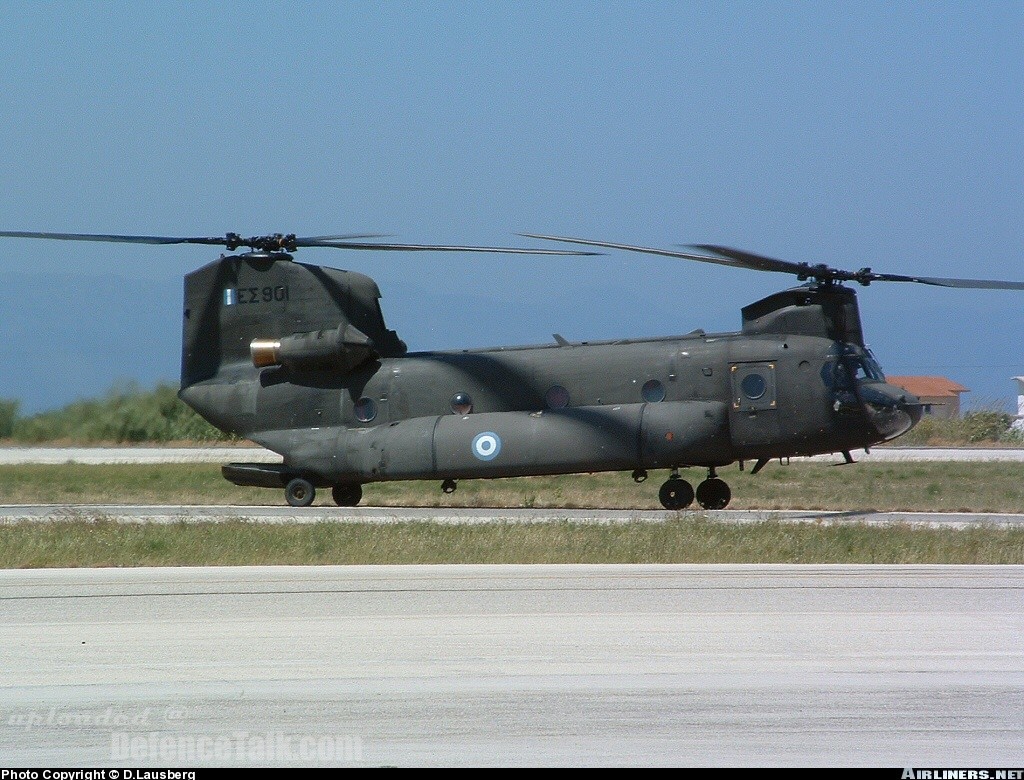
pixel 280 242
pixel 631 248
pixel 214 241
pixel 450 248
pixel 318 240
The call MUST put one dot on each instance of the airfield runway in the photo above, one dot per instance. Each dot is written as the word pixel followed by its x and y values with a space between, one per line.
pixel 514 666
pixel 507 666
pixel 15 513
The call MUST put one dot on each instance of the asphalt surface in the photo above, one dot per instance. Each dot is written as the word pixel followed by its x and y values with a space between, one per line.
pixel 514 666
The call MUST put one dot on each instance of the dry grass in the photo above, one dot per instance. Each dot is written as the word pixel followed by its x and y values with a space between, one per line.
pixel 684 539
pixel 921 486
pixel 89 539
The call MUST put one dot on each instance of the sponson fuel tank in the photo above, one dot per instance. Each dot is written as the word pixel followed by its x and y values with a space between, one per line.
pixel 503 444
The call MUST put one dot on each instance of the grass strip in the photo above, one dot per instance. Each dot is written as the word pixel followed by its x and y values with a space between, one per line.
pixel 892 486
pixel 98 542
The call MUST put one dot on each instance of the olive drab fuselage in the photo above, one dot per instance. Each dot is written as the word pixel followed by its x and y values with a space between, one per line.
pixel 298 358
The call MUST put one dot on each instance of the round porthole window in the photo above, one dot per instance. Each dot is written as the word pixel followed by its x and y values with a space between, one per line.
pixel 653 391
pixel 461 403
pixel 753 386
pixel 365 409
pixel 557 397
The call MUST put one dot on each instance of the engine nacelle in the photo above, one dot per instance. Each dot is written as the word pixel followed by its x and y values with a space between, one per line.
pixel 342 348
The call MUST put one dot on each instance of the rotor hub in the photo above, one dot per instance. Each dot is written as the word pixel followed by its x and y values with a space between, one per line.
pixel 277 242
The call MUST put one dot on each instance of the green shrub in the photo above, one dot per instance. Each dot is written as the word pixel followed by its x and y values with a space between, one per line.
pixel 126 415
pixel 984 426
pixel 972 428
pixel 8 414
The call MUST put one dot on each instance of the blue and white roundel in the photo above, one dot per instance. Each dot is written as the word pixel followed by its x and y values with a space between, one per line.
pixel 486 445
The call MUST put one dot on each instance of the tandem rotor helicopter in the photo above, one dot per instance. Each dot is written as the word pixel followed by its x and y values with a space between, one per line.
pixel 298 358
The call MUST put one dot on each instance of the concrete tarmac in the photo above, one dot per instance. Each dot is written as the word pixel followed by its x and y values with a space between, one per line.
pixel 15 513
pixel 507 666
pixel 514 666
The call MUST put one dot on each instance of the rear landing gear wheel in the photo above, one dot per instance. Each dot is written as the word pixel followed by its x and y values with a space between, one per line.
pixel 348 494
pixel 713 493
pixel 676 493
pixel 299 492
pixel 449 485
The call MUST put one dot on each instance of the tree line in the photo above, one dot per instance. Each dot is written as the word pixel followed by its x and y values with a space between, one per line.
pixel 126 414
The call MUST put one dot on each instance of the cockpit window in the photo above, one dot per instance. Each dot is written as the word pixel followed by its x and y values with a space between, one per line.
pixel 874 370
pixel 864 368
pixel 843 373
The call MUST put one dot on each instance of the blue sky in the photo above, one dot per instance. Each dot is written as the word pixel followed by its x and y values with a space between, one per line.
pixel 856 134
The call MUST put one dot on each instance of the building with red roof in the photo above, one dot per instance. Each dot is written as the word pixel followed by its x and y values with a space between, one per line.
pixel 940 396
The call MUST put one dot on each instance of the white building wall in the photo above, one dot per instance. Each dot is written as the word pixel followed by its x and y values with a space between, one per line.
pixel 1018 424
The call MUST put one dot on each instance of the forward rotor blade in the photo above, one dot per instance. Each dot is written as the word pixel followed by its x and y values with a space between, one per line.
pixel 966 284
pixel 738 258
pixel 758 262
pixel 864 276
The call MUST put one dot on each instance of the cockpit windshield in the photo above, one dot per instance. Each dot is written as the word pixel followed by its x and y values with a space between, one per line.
pixel 853 368
pixel 866 367
pixel 874 370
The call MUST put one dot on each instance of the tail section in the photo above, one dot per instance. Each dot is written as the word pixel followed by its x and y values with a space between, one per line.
pixel 304 316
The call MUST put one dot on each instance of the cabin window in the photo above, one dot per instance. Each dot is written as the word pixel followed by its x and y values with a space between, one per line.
pixel 461 403
pixel 365 409
pixel 753 386
pixel 653 391
pixel 557 397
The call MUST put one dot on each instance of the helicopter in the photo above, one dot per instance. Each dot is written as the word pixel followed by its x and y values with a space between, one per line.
pixel 298 359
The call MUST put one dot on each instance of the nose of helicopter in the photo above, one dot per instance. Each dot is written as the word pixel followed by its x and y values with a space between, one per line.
pixel 892 410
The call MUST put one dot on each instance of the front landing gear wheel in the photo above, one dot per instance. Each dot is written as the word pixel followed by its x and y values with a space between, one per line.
pixel 347 495
pixel 299 492
pixel 713 493
pixel 676 493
